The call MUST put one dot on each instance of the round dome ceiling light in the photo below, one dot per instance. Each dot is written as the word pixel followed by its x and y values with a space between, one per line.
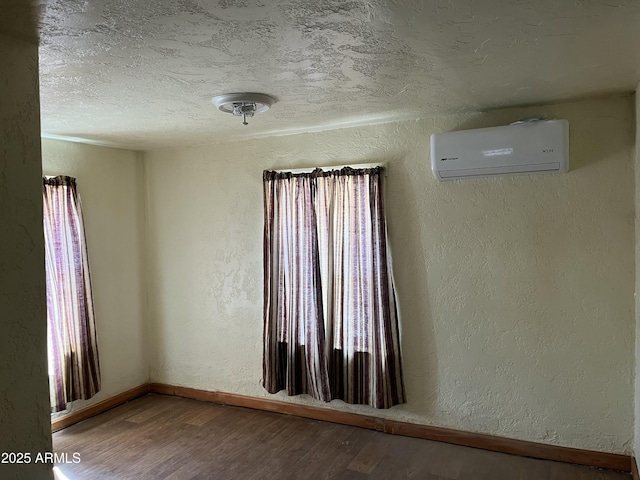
pixel 243 104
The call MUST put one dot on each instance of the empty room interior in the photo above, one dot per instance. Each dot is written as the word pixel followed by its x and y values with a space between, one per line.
pixel 464 324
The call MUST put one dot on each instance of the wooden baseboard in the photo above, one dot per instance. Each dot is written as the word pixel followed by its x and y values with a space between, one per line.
pixel 523 448
pixel 469 439
pixel 75 417
pixel 315 413
pixel 634 469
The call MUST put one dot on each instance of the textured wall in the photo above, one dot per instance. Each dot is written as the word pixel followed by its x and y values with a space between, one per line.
pixel 24 396
pixel 516 293
pixel 150 68
pixel 110 183
pixel 637 290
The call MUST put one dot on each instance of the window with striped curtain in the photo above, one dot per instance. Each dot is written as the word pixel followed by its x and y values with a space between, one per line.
pixel 74 368
pixel 330 316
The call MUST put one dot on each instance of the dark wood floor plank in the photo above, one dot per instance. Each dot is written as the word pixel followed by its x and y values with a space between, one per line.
pixel 162 437
pixel 369 456
pixel 349 447
pixel 420 460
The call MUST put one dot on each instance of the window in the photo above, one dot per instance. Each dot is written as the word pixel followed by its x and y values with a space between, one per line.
pixel 330 317
pixel 74 371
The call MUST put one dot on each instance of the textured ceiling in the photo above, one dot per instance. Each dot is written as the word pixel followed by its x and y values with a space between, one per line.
pixel 141 73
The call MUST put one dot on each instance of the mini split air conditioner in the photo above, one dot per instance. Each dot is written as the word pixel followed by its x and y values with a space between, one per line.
pixel 522 148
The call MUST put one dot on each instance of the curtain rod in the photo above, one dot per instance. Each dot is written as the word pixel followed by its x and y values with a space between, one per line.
pixel 331 167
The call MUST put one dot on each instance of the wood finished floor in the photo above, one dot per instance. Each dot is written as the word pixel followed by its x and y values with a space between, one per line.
pixel 162 437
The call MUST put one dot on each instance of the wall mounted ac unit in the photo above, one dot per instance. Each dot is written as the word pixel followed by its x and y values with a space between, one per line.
pixel 523 148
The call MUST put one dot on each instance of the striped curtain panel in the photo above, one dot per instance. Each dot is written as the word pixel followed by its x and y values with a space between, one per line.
pixel 74 370
pixel 330 316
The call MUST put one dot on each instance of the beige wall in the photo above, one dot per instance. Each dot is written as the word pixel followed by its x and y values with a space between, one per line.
pixel 637 279
pixel 111 187
pixel 515 293
pixel 24 396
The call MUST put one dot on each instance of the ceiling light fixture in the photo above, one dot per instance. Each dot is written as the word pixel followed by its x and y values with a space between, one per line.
pixel 243 104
